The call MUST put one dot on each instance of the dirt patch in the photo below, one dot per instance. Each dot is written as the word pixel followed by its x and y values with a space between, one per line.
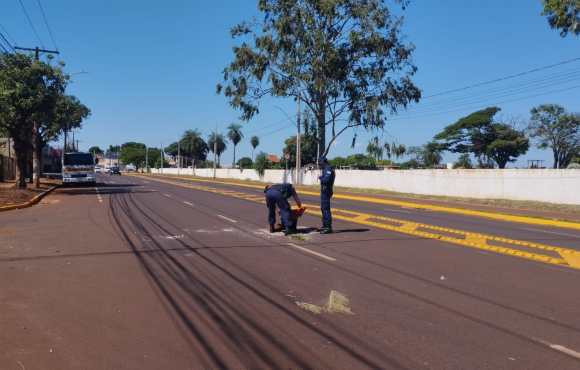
pixel 9 195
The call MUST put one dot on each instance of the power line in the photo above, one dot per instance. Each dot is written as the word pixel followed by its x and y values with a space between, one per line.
pixel 46 24
pixel 5 41
pixel 7 34
pixel 30 23
pixel 508 77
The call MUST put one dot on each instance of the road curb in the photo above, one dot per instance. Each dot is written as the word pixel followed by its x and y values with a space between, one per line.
pixel 37 198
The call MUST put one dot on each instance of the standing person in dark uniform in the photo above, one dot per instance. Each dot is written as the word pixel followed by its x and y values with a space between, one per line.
pixel 277 195
pixel 326 190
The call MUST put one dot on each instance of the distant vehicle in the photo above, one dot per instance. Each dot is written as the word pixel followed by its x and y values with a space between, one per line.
pixel 130 168
pixel 99 169
pixel 78 168
pixel 114 170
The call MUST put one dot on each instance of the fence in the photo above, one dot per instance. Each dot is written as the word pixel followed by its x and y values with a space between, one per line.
pixel 542 185
pixel 7 168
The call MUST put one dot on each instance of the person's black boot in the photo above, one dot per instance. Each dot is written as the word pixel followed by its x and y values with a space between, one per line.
pixel 326 230
pixel 272 229
pixel 290 231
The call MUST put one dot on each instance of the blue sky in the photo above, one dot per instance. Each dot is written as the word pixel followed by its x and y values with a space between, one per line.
pixel 153 66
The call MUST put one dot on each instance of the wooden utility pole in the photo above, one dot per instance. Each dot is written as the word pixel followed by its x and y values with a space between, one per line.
pixel 36 150
pixel 298 145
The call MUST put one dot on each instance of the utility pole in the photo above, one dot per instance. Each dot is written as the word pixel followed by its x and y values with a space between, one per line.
pixel 146 159
pixel 161 155
pixel 178 156
pixel 298 145
pixel 215 151
pixel 37 51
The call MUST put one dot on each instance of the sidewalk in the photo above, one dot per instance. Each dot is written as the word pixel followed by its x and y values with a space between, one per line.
pixel 10 196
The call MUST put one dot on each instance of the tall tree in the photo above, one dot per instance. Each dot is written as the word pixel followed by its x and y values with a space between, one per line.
pixel 563 15
pixel 254 141
pixel 308 144
pixel 235 135
pixel 486 139
pixel 133 153
pixel 31 90
pixel 343 59
pixel 428 155
pixel 94 150
pixel 193 146
pixel 552 127
pixel 217 145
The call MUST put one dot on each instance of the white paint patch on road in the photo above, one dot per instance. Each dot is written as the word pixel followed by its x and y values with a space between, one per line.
pixel 99 197
pixel 323 256
pixel 565 350
pixel 174 237
pixel 188 203
pixel 146 182
pixel 167 195
pixel 227 219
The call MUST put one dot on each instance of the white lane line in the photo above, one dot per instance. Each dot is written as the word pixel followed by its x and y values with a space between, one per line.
pixel 228 219
pixel 549 232
pixel 146 182
pixel 99 197
pixel 565 350
pixel 167 195
pixel 323 256
pixel 188 203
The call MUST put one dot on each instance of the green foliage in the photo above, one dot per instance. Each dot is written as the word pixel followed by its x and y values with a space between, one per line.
pixel 338 162
pixel 563 15
pixel 235 135
pixel 308 145
pixel 217 142
pixel 95 150
pixel 428 155
pixel 245 162
pixel 133 153
pixel 191 147
pixel 487 140
pixel 463 162
pixel 342 59
pixel 254 141
pixel 33 106
pixel 261 164
pixel 375 149
pixel 552 127
pixel 361 162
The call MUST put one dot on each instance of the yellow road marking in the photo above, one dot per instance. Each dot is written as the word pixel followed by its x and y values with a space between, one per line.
pixel 567 257
pixel 404 204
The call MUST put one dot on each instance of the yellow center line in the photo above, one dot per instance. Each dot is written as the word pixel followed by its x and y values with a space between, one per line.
pixel 567 257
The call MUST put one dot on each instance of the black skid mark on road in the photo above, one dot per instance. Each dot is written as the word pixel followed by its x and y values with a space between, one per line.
pixel 237 334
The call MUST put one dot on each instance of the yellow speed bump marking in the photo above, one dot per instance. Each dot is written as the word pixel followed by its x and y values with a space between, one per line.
pixel 549 254
pixel 404 204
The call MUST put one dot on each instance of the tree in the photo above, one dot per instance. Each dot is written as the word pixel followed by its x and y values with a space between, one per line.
pixel 344 60
pixel 361 162
pixel 262 163
pixel 133 153
pixel 235 135
pixel 95 150
pixel 193 146
pixel 216 142
pixel 375 149
pixel 552 127
pixel 308 144
pixel 254 141
pixel 245 162
pixel 395 150
pixel 563 15
pixel 463 162
pixel 428 155
pixel 30 90
pixel 486 139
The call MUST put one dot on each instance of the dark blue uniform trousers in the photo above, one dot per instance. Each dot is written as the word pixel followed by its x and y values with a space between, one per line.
pixel 325 208
pixel 275 198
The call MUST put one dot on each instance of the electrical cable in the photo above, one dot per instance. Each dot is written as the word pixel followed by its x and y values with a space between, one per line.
pixel 47 25
pixel 30 23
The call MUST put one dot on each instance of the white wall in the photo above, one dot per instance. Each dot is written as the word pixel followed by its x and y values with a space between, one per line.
pixel 544 185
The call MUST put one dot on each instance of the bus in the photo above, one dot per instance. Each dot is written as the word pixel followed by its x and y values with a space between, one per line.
pixel 78 168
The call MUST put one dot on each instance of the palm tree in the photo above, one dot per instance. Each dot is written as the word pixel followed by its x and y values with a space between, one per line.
pixel 194 146
pixel 235 135
pixel 255 141
pixel 374 149
pixel 216 141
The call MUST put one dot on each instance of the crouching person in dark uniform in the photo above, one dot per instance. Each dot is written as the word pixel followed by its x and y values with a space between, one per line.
pixel 326 178
pixel 277 195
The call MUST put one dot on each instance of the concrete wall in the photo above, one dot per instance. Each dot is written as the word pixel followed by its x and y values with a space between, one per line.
pixel 543 185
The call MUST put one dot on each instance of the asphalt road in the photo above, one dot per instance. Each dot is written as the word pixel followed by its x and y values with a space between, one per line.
pixel 142 274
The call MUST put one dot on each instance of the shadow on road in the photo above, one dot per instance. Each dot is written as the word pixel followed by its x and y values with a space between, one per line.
pixel 230 317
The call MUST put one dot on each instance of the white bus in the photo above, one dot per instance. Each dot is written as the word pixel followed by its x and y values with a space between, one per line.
pixel 78 168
